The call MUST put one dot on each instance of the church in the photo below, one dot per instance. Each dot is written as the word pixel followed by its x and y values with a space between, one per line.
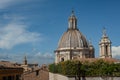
pixel 73 45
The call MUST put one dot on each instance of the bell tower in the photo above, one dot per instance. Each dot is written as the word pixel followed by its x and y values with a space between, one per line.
pixel 105 46
pixel 25 60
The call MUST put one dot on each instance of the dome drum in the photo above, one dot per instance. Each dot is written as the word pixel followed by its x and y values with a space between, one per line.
pixel 73 38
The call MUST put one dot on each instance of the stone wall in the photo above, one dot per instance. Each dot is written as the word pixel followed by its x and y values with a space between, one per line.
pixel 36 75
pixel 102 78
pixel 57 77
pixel 61 77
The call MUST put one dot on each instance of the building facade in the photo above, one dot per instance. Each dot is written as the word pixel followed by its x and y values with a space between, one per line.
pixel 10 71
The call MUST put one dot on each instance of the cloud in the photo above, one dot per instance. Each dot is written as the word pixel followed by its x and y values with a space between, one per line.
pixel 12 57
pixel 116 51
pixel 44 55
pixel 15 33
pixel 40 58
pixel 43 58
pixel 4 56
pixel 6 3
pixel 13 17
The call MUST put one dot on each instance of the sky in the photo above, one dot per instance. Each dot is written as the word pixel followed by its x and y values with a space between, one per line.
pixel 33 28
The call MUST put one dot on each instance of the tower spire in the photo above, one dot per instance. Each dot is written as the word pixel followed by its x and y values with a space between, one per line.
pixel 72 21
pixel 72 12
pixel 25 60
pixel 90 41
pixel 105 46
pixel 104 32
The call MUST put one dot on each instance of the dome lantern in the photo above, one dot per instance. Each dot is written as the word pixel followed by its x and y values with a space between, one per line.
pixel 72 21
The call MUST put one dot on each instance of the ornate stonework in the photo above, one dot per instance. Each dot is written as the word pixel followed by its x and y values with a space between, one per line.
pixel 73 44
pixel 105 46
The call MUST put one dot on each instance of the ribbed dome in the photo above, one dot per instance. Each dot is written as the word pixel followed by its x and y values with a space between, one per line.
pixel 73 39
pixel 73 45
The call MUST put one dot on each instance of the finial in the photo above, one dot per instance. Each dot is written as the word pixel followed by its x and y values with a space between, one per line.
pixel 25 57
pixel 72 12
pixel 104 32
pixel 90 41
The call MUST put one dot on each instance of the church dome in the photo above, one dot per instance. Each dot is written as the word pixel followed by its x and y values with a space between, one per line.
pixel 73 44
pixel 72 38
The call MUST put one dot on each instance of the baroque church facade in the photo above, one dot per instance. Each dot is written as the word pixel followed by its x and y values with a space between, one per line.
pixel 74 46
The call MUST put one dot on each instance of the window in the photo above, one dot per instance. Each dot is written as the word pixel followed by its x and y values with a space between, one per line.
pixel 106 52
pixel 4 78
pixel 62 59
pixel 9 77
pixel 17 77
pixel 37 72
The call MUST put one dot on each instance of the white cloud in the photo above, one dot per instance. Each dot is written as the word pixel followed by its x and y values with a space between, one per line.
pixel 16 33
pixel 6 3
pixel 40 58
pixel 45 55
pixel 116 51
pixel 13 17
pixel 43 58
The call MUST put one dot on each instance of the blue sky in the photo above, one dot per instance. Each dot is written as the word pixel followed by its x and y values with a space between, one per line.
pixel 34 27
